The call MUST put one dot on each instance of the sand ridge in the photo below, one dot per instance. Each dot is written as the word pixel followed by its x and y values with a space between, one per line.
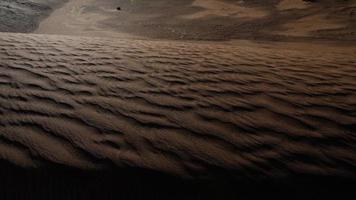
pixel 270 20
pixel 293 4
pixel 74 19
pixel 224 9
pixel 189 109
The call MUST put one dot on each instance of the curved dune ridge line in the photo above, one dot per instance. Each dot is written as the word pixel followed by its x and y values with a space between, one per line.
pixel 189 109
pixel 215 7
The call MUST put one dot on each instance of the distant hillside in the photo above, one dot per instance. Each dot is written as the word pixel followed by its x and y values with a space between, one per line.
pixel 24 15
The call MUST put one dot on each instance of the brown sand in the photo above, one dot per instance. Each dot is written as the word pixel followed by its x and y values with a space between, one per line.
pixel 122 117
pixel 175 107
pixel 293 4
pixel 308 25
pixel 73 19
pixel 224 9
pixel 286 20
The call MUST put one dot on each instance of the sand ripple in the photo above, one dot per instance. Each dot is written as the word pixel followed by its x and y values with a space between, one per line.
pixel 194 110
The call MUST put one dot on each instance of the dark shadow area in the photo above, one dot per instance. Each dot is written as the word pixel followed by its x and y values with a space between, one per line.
pixel 64 183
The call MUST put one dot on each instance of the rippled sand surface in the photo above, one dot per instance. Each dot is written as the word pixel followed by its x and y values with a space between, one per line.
pixel 189 109
pixel 143 102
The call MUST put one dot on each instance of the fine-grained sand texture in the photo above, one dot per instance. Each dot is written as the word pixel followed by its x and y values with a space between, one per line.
pixel 193 110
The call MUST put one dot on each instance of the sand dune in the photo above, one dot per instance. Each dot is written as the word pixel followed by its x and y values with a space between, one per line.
pixel 124 117
pixel 224 9
pixel 25 15
pixel 293 4
pixel 195 110
pixel 268 20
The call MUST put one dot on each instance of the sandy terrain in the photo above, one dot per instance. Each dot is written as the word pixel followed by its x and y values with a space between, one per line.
pixel 74 19
pixel 108 104
pixel 201 111
pixel 286 20
pixel 80 102
pixel 224 9
pixel 309 25
pixel 293 4
pixel 25 15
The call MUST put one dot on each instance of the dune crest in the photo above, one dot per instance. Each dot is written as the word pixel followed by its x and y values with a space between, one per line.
pixel 224 9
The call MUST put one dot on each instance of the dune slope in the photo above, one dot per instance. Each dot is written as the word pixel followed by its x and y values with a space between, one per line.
pixel 193 110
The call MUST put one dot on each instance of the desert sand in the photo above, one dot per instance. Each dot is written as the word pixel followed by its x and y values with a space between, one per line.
pixel 193 110
pixel 269 20
pixel 25 15
pixel 214 100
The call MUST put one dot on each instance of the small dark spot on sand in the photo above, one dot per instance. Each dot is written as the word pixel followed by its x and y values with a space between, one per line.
pixel 118 8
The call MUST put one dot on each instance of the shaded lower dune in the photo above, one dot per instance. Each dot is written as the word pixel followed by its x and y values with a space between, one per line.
pixel 66 183
pixel 86 117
